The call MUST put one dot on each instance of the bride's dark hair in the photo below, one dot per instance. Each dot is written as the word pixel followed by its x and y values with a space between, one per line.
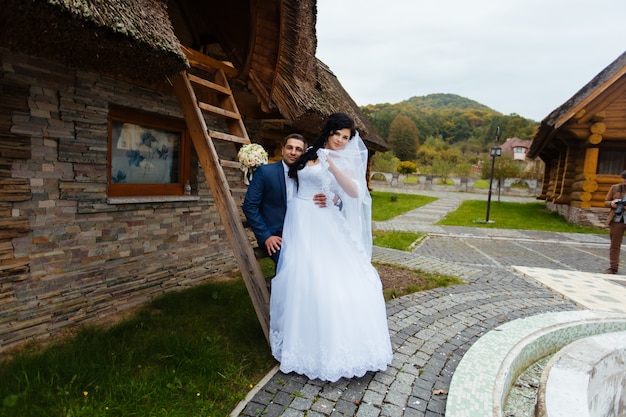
pixel 335 122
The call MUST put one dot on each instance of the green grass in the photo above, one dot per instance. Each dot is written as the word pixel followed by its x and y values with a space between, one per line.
pixel 198 352
pixel 192 353
pixel 507 215
pixel 267 267
pixel 387 205
pixel 445 181
pixel 396 240
pixel 481 184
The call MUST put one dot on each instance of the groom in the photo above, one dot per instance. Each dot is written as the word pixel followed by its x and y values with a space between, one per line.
pixel 267 197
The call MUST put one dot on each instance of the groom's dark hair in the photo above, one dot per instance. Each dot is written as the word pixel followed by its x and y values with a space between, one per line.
pixel 295 136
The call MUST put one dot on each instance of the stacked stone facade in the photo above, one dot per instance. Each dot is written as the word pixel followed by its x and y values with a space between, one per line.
pixel 68 256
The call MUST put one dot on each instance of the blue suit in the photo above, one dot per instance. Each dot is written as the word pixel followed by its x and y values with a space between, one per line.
pixel 265 203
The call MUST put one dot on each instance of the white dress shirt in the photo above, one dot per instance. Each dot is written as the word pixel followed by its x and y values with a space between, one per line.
pixel 290 183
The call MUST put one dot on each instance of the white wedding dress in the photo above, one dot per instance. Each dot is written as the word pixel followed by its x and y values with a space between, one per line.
pixel 327 312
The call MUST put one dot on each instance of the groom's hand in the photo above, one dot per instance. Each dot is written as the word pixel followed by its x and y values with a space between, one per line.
pixel 320 199
pixel 273 244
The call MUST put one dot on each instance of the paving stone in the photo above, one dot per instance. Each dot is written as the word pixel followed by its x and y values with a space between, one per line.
pixel 368 410
pixel 346 408
pixel 373 397
pixel 432 330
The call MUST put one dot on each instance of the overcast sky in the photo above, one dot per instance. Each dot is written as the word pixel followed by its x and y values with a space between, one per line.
pixel 515 56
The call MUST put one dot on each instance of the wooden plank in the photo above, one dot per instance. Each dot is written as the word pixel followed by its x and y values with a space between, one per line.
pixel 229 214
pixel 218 111
pixel 228 137
pixel 229 164
pixel 209 84
pixel 206 63
pixel 236 127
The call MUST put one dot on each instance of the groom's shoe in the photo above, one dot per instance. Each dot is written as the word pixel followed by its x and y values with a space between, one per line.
pixel 612 271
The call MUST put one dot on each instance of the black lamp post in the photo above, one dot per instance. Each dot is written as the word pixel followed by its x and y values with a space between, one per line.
pixel 495 151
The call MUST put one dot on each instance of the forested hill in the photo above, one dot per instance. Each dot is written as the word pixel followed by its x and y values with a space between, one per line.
pixel 454 119
pixel 450 101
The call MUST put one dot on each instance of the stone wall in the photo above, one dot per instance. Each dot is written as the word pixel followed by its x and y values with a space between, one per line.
pixel 595 216
pixel 463 184
pixel 83 260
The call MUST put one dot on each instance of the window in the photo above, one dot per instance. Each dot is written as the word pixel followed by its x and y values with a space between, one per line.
pixel 519 153
pixel 148 154
pixel 611 162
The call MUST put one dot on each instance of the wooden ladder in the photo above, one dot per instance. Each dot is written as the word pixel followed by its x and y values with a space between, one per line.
pixel 185 87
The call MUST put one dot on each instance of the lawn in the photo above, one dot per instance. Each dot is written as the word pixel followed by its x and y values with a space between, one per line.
pixel 506 215
pixel 199 351
pixel 192 353
pixel 387 205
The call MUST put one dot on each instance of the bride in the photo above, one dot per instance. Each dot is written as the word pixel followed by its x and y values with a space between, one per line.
pixel 327 311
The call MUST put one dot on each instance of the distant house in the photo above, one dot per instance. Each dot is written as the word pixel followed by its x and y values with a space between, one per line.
pixel 583 146
pixel 516 148
pixel 108 109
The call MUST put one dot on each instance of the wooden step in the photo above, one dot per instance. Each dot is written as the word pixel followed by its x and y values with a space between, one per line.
pixel 206 63
pixel 228 137
pixel 218 184
pixel 210 85
pixel 230 164
pixel 218 111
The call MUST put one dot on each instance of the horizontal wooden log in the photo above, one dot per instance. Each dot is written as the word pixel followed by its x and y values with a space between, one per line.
pixel 598 128
pixel 589 186
pixel 590 204
pixel 581 196
pixel 563 200
pixel 598 196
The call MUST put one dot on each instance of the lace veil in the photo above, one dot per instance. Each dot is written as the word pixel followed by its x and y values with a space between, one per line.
pixel 352 160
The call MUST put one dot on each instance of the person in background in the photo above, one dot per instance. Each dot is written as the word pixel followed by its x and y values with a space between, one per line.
pixel 327 311
pixel 615 201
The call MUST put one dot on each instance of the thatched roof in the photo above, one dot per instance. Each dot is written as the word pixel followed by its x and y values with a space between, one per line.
pixel 328 97
pixel 127 38
pixel 272 45
pixel 578 101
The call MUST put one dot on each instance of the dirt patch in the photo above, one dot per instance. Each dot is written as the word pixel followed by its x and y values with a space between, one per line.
pixel 398 278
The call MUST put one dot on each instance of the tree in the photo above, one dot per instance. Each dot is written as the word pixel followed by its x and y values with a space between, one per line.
pixel 442 168
pixel 403 138
pixel 385 162
pixel 504 168
pixel 425 154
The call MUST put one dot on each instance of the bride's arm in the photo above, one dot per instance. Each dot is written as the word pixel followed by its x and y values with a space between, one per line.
pixel 346 182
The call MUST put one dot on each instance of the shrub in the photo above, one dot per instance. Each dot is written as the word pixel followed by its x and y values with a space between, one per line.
pixel 519 184
pixel 385 162
pixel 445 181
pixel 407 167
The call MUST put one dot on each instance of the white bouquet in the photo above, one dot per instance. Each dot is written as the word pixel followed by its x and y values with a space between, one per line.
pixel 250 157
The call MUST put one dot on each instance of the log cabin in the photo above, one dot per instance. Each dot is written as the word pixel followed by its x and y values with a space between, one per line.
pixel 583 146
pixel 107 111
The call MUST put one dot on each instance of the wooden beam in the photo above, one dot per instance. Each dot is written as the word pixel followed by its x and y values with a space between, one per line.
pixel 206 63
pixel 229 214
pixel 209 84
pixel 604 98
pixel 219 111
pixel 228 137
